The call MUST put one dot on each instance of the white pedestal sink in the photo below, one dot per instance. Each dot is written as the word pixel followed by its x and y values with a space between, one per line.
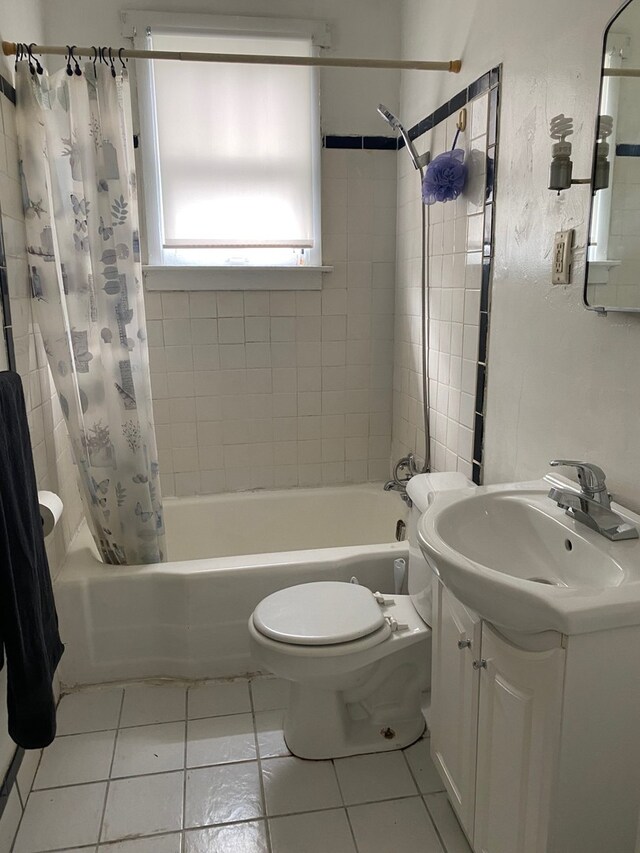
pixel 515 557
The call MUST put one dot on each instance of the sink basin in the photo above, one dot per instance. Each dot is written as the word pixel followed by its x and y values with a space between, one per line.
pixel 511 554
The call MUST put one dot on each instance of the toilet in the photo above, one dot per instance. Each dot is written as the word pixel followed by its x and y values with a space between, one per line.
pixel 358 662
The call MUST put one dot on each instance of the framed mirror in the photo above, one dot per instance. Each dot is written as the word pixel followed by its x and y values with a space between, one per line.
pixel 613 258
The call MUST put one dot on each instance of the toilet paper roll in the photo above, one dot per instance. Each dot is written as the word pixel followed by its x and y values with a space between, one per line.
pixel 50 510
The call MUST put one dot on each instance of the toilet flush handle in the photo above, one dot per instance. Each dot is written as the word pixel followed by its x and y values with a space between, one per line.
pixel 382 601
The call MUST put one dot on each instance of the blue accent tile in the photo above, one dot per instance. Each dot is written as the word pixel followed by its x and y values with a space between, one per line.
pixel 482 343
pixel 478 438
pixel 494 76
pixel 7 89
pixel 477 474
pixel 480 384
pixel 485 284
pixel 479 86
pixel 458 101
pixel 624 149
pixel 491 174
pixel 380 143
pixel 352 142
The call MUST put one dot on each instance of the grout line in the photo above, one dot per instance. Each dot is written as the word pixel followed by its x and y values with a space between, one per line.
pixel 15 837
pixel 435 825
pixel 267 829
pixel 184 771
pixel 346 809
pixel 113 757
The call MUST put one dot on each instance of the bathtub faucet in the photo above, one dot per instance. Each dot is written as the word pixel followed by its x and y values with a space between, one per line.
pixel 403 471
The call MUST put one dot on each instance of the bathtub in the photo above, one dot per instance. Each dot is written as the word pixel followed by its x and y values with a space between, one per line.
pixel 187 618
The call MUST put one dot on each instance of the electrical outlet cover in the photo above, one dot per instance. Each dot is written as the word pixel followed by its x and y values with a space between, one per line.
pixel 562 256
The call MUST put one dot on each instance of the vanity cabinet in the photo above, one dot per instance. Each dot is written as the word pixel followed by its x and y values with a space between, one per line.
pixel 536 737
pixel 495 728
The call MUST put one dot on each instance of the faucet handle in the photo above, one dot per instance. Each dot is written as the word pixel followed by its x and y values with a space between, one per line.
pixel 591 477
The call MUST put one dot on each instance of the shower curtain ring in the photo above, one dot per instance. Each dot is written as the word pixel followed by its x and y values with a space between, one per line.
pixel 122 62
pixel 18 54
pixel 39 67
pixel 69 55
pixel 113 70
pixel 95 58
pixel 77 70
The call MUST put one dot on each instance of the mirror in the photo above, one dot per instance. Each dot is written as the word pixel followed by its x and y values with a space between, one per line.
pixel 613 259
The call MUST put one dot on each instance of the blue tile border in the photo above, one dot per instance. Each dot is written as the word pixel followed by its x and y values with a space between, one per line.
pixel 361 143
pixel 624 149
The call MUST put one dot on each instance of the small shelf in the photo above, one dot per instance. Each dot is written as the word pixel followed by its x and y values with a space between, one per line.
pixel 234 278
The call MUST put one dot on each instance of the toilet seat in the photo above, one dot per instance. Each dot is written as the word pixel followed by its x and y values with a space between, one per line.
pixel 323 613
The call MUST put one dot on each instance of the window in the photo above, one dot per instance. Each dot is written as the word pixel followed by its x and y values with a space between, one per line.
pixel 230 151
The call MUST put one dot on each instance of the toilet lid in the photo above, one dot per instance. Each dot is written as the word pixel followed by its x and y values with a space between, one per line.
pixel 322 613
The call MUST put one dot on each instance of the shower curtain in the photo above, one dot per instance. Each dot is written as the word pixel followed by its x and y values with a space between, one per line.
pixel 79 195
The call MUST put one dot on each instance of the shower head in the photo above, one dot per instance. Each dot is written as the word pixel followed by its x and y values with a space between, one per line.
pixel 418 160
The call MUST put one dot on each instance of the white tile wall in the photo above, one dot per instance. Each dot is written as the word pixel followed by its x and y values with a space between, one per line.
pixel 286 388
pixel 455 248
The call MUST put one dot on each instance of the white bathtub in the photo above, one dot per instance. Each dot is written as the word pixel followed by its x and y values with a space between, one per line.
pixel 187 618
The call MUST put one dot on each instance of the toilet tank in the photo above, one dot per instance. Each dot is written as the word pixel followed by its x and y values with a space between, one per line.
pixel 421 490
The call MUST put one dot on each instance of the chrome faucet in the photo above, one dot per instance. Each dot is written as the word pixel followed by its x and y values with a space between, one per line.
pixel 592 504
pixel 409 465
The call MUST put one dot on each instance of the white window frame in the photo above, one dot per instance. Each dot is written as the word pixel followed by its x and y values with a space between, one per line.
pixel 164 276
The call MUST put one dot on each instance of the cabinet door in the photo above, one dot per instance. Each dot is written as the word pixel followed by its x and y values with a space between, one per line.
pixel 454 700
pixel 518 737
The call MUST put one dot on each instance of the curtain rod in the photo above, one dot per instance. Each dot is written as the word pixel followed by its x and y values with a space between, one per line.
pixel 9 48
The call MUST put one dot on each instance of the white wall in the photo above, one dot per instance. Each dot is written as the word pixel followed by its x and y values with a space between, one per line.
pixel 359 28
pixel 561 381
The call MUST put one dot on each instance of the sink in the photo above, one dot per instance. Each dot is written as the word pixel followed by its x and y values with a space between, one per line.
pixel 511 554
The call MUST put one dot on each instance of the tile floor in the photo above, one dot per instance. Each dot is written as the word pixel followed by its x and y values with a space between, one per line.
pixel 205 769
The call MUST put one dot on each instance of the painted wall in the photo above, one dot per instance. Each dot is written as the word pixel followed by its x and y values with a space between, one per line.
pixel 561 380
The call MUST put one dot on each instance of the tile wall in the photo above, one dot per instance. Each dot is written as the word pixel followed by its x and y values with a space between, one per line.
pixel 460 255
pixel 280 389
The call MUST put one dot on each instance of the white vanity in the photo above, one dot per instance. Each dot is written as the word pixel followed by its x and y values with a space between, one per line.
pixel 535 724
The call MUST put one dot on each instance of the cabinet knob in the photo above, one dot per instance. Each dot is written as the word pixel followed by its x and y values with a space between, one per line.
pixel 480 664
pixel 464 644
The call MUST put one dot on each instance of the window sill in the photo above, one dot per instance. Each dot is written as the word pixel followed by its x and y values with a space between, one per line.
pixel 234 278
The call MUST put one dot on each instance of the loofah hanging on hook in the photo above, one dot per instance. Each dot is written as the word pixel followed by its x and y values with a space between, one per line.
pixel 445 177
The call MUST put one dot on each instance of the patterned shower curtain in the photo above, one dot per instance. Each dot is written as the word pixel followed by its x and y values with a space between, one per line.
pixel 79 194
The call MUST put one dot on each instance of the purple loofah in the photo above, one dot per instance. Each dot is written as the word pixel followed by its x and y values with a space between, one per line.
pixel 445 177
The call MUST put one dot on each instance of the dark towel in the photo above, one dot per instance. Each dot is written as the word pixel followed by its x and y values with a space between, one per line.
pixel 28 619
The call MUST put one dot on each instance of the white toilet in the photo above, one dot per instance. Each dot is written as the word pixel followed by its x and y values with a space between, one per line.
pixel 358 662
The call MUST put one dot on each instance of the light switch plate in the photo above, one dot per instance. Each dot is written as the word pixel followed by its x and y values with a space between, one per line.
pixel 562 249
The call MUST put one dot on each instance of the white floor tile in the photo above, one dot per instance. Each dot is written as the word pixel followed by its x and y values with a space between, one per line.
pixel 155 844
pixel 149 749
pixel 27 771
pixel 10 820
pixel 61 817
pixel 271 742
pixel 90 711
pixel 223 794
pixel 293 785
pixel 380 776
pixel 395 825
pixel 234 838
pixel 219 740
pixel 74 759
pixel 143 806
pixel 423 768
pixel 148 703
pixel 269 694
pixel 316 832
pixel 447 823
pixel 219 699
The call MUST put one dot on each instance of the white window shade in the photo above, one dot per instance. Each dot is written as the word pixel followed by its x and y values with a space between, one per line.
pixel 234 145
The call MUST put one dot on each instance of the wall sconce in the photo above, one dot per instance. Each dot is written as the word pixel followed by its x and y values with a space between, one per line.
pixel 561 169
